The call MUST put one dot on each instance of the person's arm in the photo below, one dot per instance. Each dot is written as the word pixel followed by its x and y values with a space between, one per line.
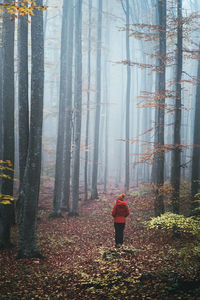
pixel 114 211
pixel 127 211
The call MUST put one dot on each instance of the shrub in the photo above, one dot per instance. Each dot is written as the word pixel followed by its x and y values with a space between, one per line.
pixel 173 221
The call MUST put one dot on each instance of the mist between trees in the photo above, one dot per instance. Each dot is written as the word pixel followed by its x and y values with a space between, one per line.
pixel 96 94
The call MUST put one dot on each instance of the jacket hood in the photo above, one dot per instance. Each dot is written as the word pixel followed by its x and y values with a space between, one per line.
pixel 121 202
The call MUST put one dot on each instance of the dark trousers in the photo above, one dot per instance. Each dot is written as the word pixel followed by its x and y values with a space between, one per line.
pixel 119 233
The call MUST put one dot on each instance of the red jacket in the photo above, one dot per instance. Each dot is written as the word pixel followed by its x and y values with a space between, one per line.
pixel 120 211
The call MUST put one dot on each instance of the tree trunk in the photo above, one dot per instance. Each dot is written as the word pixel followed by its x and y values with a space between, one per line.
pixel 128 90
pixel 94 193
pixel 176 152
pixel 8 98
pixel 77 108
pixel 196 145
pixel 160 113
pixel 31 183
pixel 59 172
pixel 8 125
pixel 23 92
pixel 68 109
pixel 107 73
pixel 88 106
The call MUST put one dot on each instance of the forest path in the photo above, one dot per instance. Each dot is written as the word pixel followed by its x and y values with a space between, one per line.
pixel 81 261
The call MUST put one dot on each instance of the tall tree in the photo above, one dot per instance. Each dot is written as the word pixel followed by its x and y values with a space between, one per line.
pixel 68 107
pixel 176 152
pixel 65 111
pixel 6 211
pixel 128 92
pixel 107 73
pixel 88 102
pixel 158 167
pixel 196 144
pixel 8 97
pixel 77 108
pixel 23 92
pixel 94 192
pixel 30 188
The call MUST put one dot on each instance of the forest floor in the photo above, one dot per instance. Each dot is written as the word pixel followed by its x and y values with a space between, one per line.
pixel 81 261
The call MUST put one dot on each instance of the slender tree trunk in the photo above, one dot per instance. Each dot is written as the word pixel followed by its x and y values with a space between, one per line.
pixel 160 113
pixel 88 104
pixel 128 90
pixel 77 108
pixel 68 110
pixel 107 78
pixel 31 183
pixel 59 178
pixel 23 92
pixel 176 152
pixel 7 212
pixel 196 146
pixel 94 194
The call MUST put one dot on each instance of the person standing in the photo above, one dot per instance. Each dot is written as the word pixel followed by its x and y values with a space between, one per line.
pixel 120 212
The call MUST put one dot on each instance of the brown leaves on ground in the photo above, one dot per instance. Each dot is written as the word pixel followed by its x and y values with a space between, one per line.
pixel 81 261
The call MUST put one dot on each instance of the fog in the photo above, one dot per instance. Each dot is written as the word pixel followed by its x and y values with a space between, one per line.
pixel 113 78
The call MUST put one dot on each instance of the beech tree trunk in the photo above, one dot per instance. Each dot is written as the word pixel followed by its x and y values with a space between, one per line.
pixel 23 93
pixel 6 213
pixel 62 172
pixel 159 157
pixel 94 192
pixel 77 108
pixel 128 91
pixel 88 104
pixel 68 109
pixel 30 188
pixel 196 146
pixel 176 152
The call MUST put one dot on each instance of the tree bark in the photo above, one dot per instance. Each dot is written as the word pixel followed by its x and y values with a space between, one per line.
pixel 196 146
pixel 88 104
pixel 176 152
pixel 94 193
pixel 128 91
pixel 160 113
pixel 23 92
pixel 7 213
pixel 77 109
pixel 31 183
pixel 68 109
pixel 107 73
pixel 63 121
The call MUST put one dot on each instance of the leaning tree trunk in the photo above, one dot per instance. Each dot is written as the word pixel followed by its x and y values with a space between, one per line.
pixel 160 113
pixel 196 146
pixel 88 105
pixel 77 109
pixel 94 192
pixel 176 152
pixel 7 212
pixel 30 187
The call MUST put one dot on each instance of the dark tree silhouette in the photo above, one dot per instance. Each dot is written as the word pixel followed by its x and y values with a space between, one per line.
pixel 30 187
